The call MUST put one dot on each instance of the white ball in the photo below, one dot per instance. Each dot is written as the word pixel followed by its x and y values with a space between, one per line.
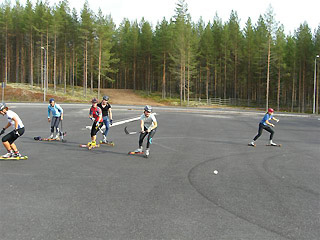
pixel 215 172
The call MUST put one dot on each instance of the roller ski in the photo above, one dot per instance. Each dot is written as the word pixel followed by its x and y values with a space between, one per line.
pixel 13 156
pixel 136 152
pixel 90 145
pixel 51 138
pixel 272 144
pixel 106 142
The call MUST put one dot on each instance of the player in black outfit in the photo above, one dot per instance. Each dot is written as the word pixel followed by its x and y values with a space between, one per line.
pixel 106 115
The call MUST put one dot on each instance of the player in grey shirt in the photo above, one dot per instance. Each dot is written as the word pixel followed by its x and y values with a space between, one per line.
pixel 148 124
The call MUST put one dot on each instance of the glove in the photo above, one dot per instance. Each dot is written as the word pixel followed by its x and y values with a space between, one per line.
pixel 92 119
pixel 16 132
pixel 97 125
pixel 2 131
pixel 111 122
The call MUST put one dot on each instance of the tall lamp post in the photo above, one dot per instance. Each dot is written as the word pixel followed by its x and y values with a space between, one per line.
pixel 314 85
pixel 45 74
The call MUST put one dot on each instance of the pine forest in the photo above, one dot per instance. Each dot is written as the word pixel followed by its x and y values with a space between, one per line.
pixel 256 65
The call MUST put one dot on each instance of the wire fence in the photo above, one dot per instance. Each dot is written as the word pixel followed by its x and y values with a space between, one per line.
pixel 237 102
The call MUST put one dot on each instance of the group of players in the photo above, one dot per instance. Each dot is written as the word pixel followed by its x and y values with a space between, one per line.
pixel 99 113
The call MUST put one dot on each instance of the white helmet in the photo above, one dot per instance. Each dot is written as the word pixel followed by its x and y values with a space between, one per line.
pixel 148 108
pixel 2 106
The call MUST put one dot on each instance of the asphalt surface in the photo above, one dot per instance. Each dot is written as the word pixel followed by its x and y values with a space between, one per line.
pixel 66 192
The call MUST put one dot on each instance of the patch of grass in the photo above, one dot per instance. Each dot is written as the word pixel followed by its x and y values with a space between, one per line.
pixel 173 101
pixel 71 95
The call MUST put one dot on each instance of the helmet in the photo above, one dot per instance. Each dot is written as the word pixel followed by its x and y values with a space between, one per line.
pixel 148 108
pixel 51 100
pixel 106 98
pixel 94 100
pixel 2 106
pixel 270 110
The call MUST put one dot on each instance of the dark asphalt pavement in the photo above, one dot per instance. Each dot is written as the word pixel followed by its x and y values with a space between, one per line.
pixel 66 192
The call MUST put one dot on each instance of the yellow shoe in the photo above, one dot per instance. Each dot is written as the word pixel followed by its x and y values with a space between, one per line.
pixel 93 143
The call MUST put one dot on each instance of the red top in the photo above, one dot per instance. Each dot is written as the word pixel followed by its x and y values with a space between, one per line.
pixel 96 112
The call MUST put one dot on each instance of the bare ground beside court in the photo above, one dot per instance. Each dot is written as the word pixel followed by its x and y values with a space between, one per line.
pixel 117 96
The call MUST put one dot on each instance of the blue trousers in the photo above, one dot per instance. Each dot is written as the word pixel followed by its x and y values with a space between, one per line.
pixel 106 122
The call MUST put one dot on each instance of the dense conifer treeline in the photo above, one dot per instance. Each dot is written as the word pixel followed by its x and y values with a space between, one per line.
pixel 177 57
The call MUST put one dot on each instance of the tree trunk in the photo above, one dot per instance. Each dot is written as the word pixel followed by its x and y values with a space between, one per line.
pixel 91 69
pixel 188 82
pixel 317 100
pixel 22 77
pixel 225 73
pixel 215 78
pixel 181 80
pixel 125 77
pixel 31 59
pixel 279 87
pixel 235 74
pixel 99 73
pixel 73 75
pixel 184 80
pixel 268 74
pixel 41 63
pixel 47 60
pixel 85 68
pixel 134 72
pixel 149 73
pixel 60 71
pixel 200 85
pixel 293 88
pixel 249 77
pixel 164 77
pixel 65 66
pixel 207 82
pixel 300 90
pixel 55 64
pixel 6 56
pixel 303 85
pixel 17 58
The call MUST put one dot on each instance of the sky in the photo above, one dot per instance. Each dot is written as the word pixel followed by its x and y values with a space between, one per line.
pixel 289 13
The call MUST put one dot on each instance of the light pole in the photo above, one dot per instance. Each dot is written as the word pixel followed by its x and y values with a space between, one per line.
pixel 45 74
pixel 314 84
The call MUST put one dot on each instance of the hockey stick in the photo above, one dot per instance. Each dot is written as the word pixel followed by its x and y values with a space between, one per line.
pixel 62 133
pixel 129 133
pixel 97 127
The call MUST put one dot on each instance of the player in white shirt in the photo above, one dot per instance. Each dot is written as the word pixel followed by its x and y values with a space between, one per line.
pixel 148 124
pixel 18 130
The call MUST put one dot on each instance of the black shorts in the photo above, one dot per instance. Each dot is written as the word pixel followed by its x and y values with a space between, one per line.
pixel 94 128
pixel 11 136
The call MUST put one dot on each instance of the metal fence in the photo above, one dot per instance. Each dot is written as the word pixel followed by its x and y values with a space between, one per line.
pixel 237 102
pixel 211 101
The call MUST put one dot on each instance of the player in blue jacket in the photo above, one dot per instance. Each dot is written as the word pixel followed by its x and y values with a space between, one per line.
pixel 57 116
pixel 266 125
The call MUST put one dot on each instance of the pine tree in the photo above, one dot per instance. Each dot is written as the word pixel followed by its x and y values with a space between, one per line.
pixel 305 60
pixel 279 56
pixel 86 28
pixel 206 54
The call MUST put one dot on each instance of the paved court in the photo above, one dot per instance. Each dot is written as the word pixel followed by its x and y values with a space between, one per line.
pixel 65 192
